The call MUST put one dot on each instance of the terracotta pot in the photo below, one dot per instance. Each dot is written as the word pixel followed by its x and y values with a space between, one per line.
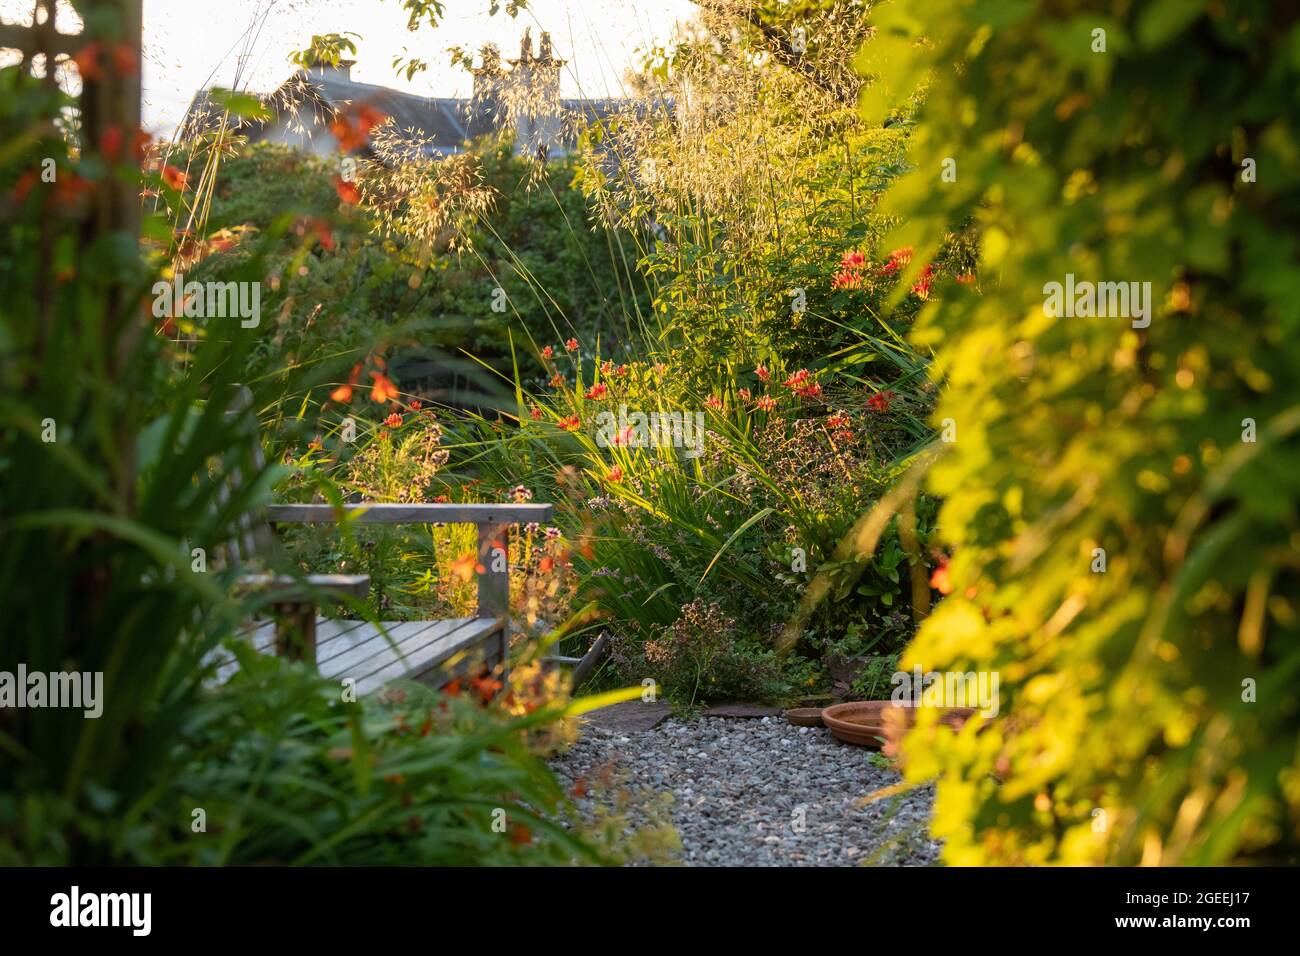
pixel 864 722
pixel 859 722
pixel 804 716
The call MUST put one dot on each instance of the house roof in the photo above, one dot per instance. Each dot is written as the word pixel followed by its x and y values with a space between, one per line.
pixel 441 125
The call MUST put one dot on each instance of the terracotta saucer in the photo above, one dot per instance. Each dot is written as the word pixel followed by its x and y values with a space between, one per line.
pixel 804 716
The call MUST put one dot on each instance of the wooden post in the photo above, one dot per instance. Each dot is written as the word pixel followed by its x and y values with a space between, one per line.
pixel 494 583
pixel 295 631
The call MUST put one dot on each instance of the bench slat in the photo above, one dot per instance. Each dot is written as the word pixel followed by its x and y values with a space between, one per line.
pixel 371 643
pixel 430 656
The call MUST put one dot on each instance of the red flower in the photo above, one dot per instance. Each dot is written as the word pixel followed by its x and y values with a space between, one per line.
pixel 939 578
pixel 844 279
pixel 597 391
pixel 922 285
pixel 615 474
pixel 853 260
pixel 713 402
pixel 547 352
pixel 352 130
pixel 570 424
pixel 623 438
pixel 762 373
pixel 174 178
pixel 383 390
pixel 110 144
pixel 23 187
pixel 898 258
pixel 536 413
pixel 620 371
pixel 87 60
pixel 557 381
pixel 140 143
pixel 124 59
pixel 765 404
pixel 879 402
pixel 347 191
pixel 571 345
pixel 415 405
pixel 798 379
pixel 344 392
pixel 393 420
pixel 69 187
pixel 838 420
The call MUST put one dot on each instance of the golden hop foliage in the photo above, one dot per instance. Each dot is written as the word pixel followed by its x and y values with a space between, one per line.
pixel 1149 710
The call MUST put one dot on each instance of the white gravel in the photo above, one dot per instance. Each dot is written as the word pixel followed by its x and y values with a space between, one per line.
pixel 760 792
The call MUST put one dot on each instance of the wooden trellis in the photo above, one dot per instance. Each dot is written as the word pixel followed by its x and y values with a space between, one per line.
pixel 110 100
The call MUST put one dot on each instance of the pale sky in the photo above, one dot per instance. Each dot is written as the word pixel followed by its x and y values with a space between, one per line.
pixel 190 44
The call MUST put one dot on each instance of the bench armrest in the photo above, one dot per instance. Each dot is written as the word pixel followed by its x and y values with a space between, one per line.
pixel 308 588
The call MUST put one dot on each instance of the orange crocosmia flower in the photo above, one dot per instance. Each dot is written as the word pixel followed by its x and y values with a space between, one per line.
pixel 713 402
pixel 557 381
pixel 140 142
pixel 570 424
pixel 486 688
pixel 597 391
pixel 765 404
pixel 939 578
pixel 536 413
pixel 347 191
pixel 321 229
pixel 110 143
pixel 174 178
pixel 23 187
pixel 368 117
pixel 383 390
pixel 546 565
pixel 87 60
pixel 350 137
pixel 344 392
pixel 571 345
pixel 615 474
pixel 547 352
pixel 69 188
pixel 452 688
pixel 465 566
pixel 393 420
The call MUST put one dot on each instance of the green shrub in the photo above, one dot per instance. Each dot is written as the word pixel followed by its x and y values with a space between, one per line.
pixel 1149 713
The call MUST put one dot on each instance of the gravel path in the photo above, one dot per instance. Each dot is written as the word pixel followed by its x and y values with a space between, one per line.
pixel 760 792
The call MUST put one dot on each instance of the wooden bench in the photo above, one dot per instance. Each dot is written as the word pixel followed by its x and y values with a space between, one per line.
pixel 374 654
